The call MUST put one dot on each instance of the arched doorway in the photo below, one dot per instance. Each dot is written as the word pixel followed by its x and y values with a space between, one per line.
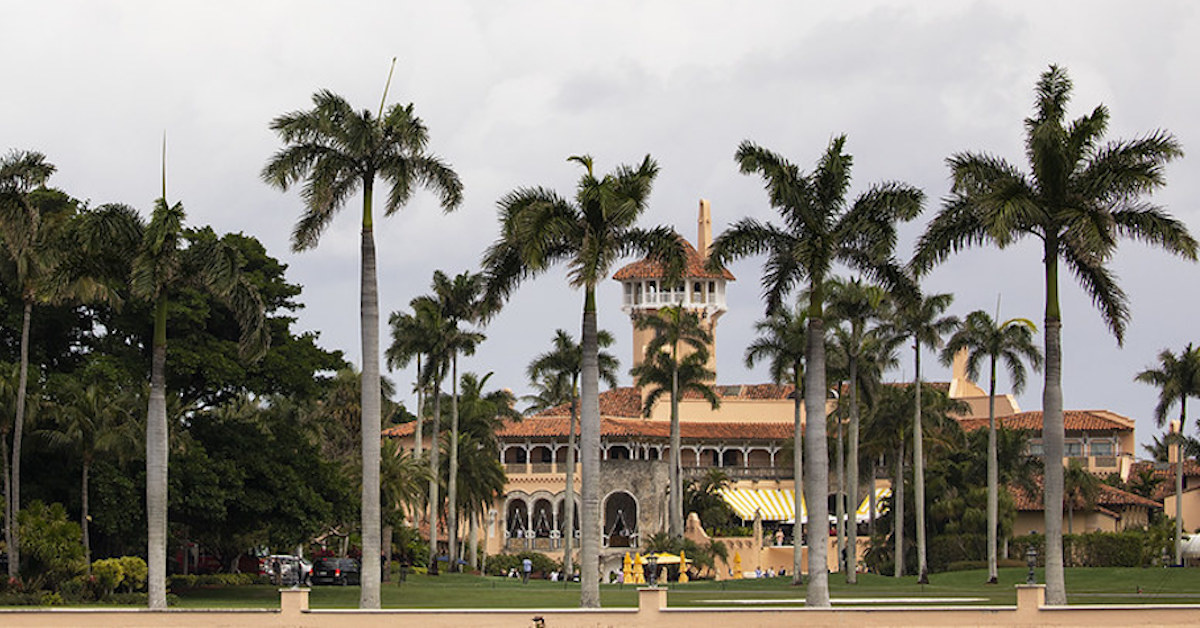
pixel 543 518
pixel 620 520
pixel 516 522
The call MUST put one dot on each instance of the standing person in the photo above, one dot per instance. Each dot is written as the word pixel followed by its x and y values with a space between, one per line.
pixel 526 567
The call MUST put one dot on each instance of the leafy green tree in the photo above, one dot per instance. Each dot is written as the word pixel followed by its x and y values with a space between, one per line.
pixel 1177 378
pixel 538 228
pixel 783 340
pixel 676 363
pixel 337 151
pixel 820 229
pixel 558 372
pixel 1079 199
pixel 165 261
pixel 53 551
pixel 1081 487
pixel 1010 341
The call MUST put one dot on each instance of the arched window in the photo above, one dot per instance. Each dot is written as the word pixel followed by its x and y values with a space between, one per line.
pixel 620 520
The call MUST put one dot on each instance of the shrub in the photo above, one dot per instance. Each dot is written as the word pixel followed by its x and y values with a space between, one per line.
pixel 51 546
pixel 499 564
pixel 135 571
pixel 107 574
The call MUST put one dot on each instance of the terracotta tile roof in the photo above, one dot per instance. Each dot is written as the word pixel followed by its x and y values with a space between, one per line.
pixel 625 401
pixel 1110 497
pixel 556 427
pixel 1073 421
pixel 650 269
pixel 1166 472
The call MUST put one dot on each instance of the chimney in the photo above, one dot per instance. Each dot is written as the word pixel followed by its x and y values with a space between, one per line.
pixel 704 222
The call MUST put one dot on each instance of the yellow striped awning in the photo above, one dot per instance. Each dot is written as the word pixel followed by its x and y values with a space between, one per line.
pixel 864 509
pixel 772 504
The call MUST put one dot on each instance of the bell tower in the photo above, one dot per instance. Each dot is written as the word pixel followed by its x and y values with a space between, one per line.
pixel 645 288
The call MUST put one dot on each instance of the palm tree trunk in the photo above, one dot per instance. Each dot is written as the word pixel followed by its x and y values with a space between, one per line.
pixel 156 464
pixel 83 518
pixel 569 491
pixel 898 515
pixel 371 413
pixel 1179 482
pixel 919 470
pixel 816 485
pixel 589 436
pixel 871 506
pixel 434 473
pixel 473 544
pixel 676 505
pixel 8 513
pixel 840 505
pixel 1052 439
pixel 852 479
pixel 14 547
pixel 993 480
pixel 452 482
pixel 386 559
pixel 797 481
pixel 417 444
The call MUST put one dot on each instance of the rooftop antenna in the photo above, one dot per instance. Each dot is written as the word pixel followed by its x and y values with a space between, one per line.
pixel 386 86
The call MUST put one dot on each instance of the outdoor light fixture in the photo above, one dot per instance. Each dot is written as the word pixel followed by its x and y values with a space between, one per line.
pixel 1031 560
pixel 652 560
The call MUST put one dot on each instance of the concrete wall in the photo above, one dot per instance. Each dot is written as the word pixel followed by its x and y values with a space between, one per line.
pixel 652 610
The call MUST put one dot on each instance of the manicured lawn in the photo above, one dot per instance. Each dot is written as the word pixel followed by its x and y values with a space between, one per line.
pixel 1084 586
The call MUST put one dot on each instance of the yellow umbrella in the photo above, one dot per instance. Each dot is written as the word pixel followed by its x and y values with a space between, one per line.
pixel 627 570
pixel 737 565
pixel 683 561
pixel 639 576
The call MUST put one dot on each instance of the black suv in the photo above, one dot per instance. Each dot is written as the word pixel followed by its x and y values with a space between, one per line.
pixel 340 571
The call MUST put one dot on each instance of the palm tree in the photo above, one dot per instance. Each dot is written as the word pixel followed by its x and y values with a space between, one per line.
pixel 821 229
pixel 887 431
pixel 460 300
pixel 1177 378
pixel 336 151
pixel 538 228
pixel 1080 198
pixel 1012 342
pixel 25 233
pixel 856 303
pixel 164 263
pixel 558 371
pixel 94 417
pixel 783 340
pixel 922 321
pixel 665 369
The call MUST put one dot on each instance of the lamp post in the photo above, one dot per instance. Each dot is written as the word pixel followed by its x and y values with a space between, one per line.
pixel 1031 555
pixel 652 561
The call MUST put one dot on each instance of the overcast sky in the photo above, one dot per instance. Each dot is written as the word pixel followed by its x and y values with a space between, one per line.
pixel 509 90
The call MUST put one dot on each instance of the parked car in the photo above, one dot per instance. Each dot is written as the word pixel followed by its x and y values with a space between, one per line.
pixel 282 569
pixel 340 571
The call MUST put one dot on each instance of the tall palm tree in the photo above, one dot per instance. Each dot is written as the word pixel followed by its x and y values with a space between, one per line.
pixel 337 151
pixel 1080 197
pixel 921 320
pixel 164 263
pixel 1081 488
pixel 590 233
pixel 820 229
pixel 25 233
pixel 783 339
pixel 857 303
pixel 461 301
pixel 559 370
pixel 93 417
pixel 666 368
pixel 887 432
pixel 1177 378
pixel 1010 341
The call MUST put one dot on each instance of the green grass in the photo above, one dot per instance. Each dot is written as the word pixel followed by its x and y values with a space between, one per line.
pixel 1084 586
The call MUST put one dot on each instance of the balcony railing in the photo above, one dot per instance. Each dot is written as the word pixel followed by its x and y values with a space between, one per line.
pixel 748 473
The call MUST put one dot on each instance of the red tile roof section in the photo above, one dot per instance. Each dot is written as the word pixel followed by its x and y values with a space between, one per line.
pixel 1108 496
pixel 1165 472
pixel 1073 421
pixel 649 269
